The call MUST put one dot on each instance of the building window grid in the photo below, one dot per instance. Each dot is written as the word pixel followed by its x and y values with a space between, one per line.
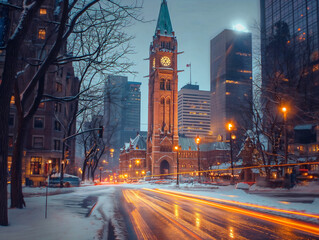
pixel 35 165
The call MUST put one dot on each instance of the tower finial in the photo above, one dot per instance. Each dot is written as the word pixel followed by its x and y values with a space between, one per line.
pixel 164 24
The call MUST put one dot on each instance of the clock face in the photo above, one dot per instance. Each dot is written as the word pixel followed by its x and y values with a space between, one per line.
pixel 165 61
pixel 153 62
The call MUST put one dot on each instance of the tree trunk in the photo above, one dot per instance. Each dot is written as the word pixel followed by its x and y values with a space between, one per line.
pixel 17 200
pixel 83 170
pixel 4 116
pixel 6 89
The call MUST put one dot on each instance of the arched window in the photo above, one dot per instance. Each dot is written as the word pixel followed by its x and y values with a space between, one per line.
pixel 162 113
pixel 162 84
pixel 168 114
pixel 168 84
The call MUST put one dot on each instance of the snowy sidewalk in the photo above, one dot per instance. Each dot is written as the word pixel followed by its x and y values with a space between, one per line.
pixel 67 216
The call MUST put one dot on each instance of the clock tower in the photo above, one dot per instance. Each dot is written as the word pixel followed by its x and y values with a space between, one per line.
pixel 163 97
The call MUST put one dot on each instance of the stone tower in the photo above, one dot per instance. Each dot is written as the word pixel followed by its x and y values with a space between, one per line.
pixel 163 97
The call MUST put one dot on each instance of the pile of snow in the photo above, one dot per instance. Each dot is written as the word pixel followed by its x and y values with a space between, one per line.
pixel 243 186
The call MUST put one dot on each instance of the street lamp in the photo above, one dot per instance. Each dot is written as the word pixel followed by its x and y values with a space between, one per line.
pixel 176 148
pixel 230 127
pixel 197 140
pixel 284 110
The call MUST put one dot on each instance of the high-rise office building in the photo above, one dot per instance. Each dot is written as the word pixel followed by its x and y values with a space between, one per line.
pixel 290 58
pixel 193 111
pixel 231 82
pixel 122 107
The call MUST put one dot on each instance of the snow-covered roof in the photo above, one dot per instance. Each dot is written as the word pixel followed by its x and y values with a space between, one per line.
pixel 138 142
pixel 215 146
pixel 187 143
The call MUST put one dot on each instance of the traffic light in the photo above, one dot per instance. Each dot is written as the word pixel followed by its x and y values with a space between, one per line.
pixel 66 154
pixel 100 132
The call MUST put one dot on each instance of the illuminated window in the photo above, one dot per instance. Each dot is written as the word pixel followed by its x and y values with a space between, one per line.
pixel 9 163
pixel 43 11
pixel 41 105
pixel 227 93
pixel 244 71
pixel 315 68
pixel 41 33
pixel 232 82
pixel 35 165
pixel 12 100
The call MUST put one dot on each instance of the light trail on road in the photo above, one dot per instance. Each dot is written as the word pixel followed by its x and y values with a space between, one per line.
pixel 157 214
pixel 238 203
pixel 307 227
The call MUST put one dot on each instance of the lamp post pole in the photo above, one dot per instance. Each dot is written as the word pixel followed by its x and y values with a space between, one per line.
pixel 231 158
pixel 230 128
pixel 177 162
pixel 284 110
pixel 197 142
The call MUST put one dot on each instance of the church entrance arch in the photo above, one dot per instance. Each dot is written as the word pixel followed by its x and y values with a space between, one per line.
pixel 164 168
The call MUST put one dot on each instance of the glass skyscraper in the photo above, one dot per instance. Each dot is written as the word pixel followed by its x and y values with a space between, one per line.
pixel 290 56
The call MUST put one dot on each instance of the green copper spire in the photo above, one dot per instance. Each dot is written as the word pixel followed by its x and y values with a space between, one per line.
pixel 164 21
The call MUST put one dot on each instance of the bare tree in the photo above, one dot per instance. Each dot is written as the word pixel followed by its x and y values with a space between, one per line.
pixel 94 30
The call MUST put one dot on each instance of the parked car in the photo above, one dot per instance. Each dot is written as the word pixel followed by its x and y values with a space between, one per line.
pixel 68 180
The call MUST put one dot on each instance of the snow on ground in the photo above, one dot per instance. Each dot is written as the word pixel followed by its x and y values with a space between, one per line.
pixel 66 216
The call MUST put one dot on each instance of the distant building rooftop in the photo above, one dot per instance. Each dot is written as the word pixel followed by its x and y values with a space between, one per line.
pixel 191 86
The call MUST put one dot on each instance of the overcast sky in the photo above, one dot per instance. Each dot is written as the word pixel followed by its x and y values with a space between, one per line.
pixel 195 23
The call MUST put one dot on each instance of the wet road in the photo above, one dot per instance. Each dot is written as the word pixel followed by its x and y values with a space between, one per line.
pixel 156 214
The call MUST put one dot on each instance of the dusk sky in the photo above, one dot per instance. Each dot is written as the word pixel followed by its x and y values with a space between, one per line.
pixel 195 23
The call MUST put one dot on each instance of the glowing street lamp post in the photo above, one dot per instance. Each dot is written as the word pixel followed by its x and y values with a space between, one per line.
pixel 230 128
pixel 197 140
pixel 284 110
pixel 176 148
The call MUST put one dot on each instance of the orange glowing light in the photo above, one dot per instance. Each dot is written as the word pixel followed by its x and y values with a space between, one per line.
pixel 284 109
pixel 197 140
pixel 230 126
